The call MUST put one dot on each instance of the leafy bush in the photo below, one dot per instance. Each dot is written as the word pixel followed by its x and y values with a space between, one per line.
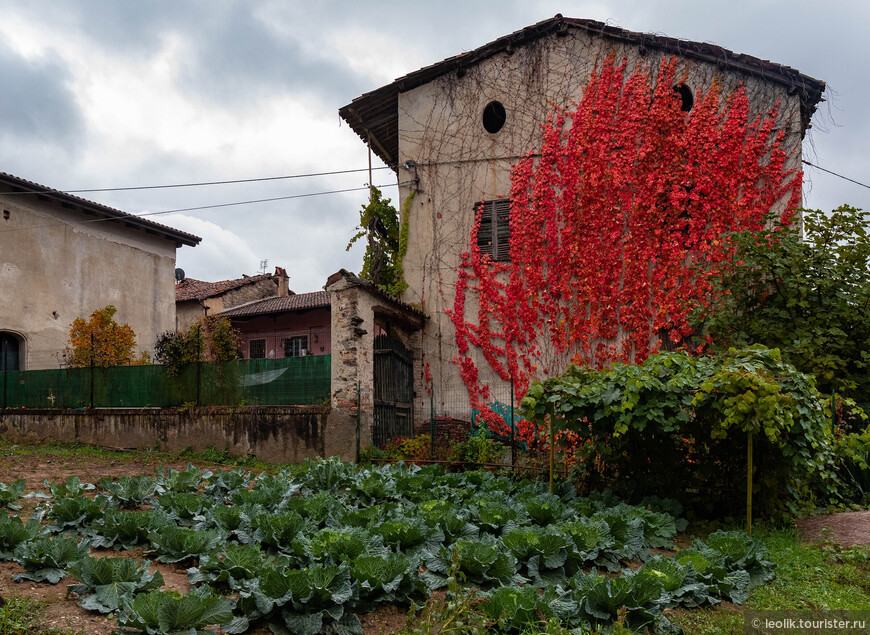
pixel 676 422
pixel 479 449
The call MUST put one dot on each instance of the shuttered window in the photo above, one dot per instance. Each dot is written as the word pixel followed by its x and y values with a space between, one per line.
pixel 493 237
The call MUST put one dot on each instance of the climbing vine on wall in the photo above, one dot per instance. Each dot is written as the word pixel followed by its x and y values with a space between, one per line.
pixel 386 232
pixel 618 225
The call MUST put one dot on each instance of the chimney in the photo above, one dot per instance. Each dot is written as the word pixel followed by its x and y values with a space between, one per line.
pixel 283 282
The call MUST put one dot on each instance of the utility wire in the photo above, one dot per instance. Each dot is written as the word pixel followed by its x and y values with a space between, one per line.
pixel 233 181
pixel 835 174
pixel 202 207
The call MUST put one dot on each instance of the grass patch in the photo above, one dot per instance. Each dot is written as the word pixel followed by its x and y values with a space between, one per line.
pixel 21 615
pixel 808 577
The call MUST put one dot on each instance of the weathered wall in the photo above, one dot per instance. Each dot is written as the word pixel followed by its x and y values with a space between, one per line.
pixel 64 269
pixel 352 334
pixel 273 434
pixel 459 163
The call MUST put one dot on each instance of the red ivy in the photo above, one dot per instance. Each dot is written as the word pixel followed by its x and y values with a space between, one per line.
pixel 619 226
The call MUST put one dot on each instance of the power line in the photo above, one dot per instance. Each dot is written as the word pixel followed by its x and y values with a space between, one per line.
pixel 203 183
pixel 203 207
pixel 835 174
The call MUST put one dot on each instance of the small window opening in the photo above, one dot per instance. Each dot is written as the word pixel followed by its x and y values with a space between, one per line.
pixel 494 117
pixel 257 349
pixel 296 346
pixel 685 95
pixel 5 214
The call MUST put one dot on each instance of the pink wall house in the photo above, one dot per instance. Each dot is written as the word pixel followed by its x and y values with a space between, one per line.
pixel 291 326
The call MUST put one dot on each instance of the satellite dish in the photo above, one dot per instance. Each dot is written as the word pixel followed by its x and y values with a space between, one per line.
pixel 179 275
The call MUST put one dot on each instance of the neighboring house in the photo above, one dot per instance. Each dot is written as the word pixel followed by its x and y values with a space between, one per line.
pixel 452 131
pixel 286 326
pixel 63 257
pixel 195 299
pixel 373 341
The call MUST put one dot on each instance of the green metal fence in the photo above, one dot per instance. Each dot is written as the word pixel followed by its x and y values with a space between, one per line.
pixel 273 382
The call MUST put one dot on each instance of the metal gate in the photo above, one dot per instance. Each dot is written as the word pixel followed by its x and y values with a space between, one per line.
pixel 394 390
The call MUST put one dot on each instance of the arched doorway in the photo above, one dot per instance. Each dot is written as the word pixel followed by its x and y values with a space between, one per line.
pixel 10 351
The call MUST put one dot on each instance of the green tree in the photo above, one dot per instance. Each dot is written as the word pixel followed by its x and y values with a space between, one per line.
pixel 807 295
pixel 209 339
pixel 386 232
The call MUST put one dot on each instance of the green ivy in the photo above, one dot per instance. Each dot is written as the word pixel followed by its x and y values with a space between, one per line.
pixel 386 231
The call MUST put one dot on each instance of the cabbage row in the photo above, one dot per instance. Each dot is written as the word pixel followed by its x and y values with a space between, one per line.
pixel 306 554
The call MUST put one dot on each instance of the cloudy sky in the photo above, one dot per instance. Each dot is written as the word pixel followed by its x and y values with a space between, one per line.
pixel 112 94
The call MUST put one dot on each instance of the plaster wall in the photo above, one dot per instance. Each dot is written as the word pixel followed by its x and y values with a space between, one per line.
pixel 55 267
pixel 459 163
pixel 315 324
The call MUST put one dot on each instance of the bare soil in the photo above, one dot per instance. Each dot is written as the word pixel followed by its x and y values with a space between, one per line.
pixel 847 529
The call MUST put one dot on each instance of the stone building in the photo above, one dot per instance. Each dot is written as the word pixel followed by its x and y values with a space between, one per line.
pixel 453 130
pixel 63 257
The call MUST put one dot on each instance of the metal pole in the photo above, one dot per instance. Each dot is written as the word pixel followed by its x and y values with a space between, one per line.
pixel 513 439
pixel 358 420
pixel 432 427
pixel 92 369
pixel 199 368
pixel 4 389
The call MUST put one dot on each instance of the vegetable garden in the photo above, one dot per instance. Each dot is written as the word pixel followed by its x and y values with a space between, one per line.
pixel 309 553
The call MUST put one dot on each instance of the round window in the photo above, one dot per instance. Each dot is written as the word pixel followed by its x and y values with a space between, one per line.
pixel 494 117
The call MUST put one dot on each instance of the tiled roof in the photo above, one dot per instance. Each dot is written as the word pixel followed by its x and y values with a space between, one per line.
pixel 296 302
pixel 11 183
pixel 374 116
pixel 192 289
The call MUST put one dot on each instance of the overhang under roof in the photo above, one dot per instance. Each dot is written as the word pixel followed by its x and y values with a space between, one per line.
pixel 374 116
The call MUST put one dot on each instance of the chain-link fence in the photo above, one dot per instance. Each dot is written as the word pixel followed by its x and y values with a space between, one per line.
pixel 285 381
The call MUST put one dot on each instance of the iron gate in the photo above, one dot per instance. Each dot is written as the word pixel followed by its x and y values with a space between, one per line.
pixel 394 390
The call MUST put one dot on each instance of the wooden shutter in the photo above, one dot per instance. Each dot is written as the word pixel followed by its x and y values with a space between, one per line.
pixel 502 232
pixel 484 233
pixel 493 237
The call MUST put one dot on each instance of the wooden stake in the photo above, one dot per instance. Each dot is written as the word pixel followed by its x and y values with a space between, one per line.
pixel 749 483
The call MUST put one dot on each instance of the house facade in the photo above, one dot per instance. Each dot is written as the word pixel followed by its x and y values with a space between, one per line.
pixel 63 257
pixel 296 325
pixel 196 299
pixel 452 132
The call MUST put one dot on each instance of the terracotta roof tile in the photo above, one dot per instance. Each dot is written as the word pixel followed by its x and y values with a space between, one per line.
pixel 296 302
pixel 192 289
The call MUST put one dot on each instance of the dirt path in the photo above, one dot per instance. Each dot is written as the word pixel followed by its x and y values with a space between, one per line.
pixel 847 529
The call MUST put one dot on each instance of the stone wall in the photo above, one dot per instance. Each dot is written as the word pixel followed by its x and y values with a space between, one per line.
pixel 273 434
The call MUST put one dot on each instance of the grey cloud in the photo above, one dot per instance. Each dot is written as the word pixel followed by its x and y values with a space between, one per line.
pixel 36 105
